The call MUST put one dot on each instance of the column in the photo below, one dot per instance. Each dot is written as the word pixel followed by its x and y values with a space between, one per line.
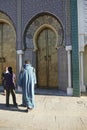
pixel 69 89
pixel 82 86
pixel 19 25
pixel 19 46
pixel 19 53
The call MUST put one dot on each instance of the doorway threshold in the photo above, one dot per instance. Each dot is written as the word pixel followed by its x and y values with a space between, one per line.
pixel 53 92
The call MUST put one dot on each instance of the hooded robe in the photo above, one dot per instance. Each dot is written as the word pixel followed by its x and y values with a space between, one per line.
pixel 27 80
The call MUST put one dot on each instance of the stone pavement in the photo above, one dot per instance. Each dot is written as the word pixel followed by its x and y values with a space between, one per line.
pixel 52 112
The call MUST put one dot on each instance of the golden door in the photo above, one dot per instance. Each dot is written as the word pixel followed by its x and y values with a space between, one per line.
pixel 7 48
pixel 47 60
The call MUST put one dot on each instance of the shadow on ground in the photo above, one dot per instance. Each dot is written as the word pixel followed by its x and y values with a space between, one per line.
pixel 11 108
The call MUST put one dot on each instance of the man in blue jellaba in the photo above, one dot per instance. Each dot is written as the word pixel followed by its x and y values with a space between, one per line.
pixel 27 80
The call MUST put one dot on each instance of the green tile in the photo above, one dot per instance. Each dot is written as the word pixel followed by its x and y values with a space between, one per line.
pixel 75 57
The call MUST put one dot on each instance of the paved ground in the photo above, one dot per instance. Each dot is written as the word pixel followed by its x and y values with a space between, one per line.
pixel 52 112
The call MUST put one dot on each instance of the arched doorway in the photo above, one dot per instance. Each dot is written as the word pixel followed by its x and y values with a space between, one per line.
pixel 47 59
pixel 43 46
pixel 7 45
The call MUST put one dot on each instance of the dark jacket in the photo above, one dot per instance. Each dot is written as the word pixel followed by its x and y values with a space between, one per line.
pixel 9 81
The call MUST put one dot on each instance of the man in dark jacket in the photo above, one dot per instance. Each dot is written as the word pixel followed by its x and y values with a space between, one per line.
pixel 9 85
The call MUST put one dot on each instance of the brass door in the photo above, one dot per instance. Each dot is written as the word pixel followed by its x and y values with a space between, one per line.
pixel 7 48
pixel 47 60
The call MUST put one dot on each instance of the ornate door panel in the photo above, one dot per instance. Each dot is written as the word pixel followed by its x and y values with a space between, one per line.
pixel 47 62
pixel 7 48
pixel 41 61
pixel 52 60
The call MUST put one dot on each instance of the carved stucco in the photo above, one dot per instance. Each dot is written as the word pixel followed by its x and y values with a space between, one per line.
pixel 40 23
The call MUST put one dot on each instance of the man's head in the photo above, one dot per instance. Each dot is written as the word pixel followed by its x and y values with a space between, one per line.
pixel 10 69
pixel 27 62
